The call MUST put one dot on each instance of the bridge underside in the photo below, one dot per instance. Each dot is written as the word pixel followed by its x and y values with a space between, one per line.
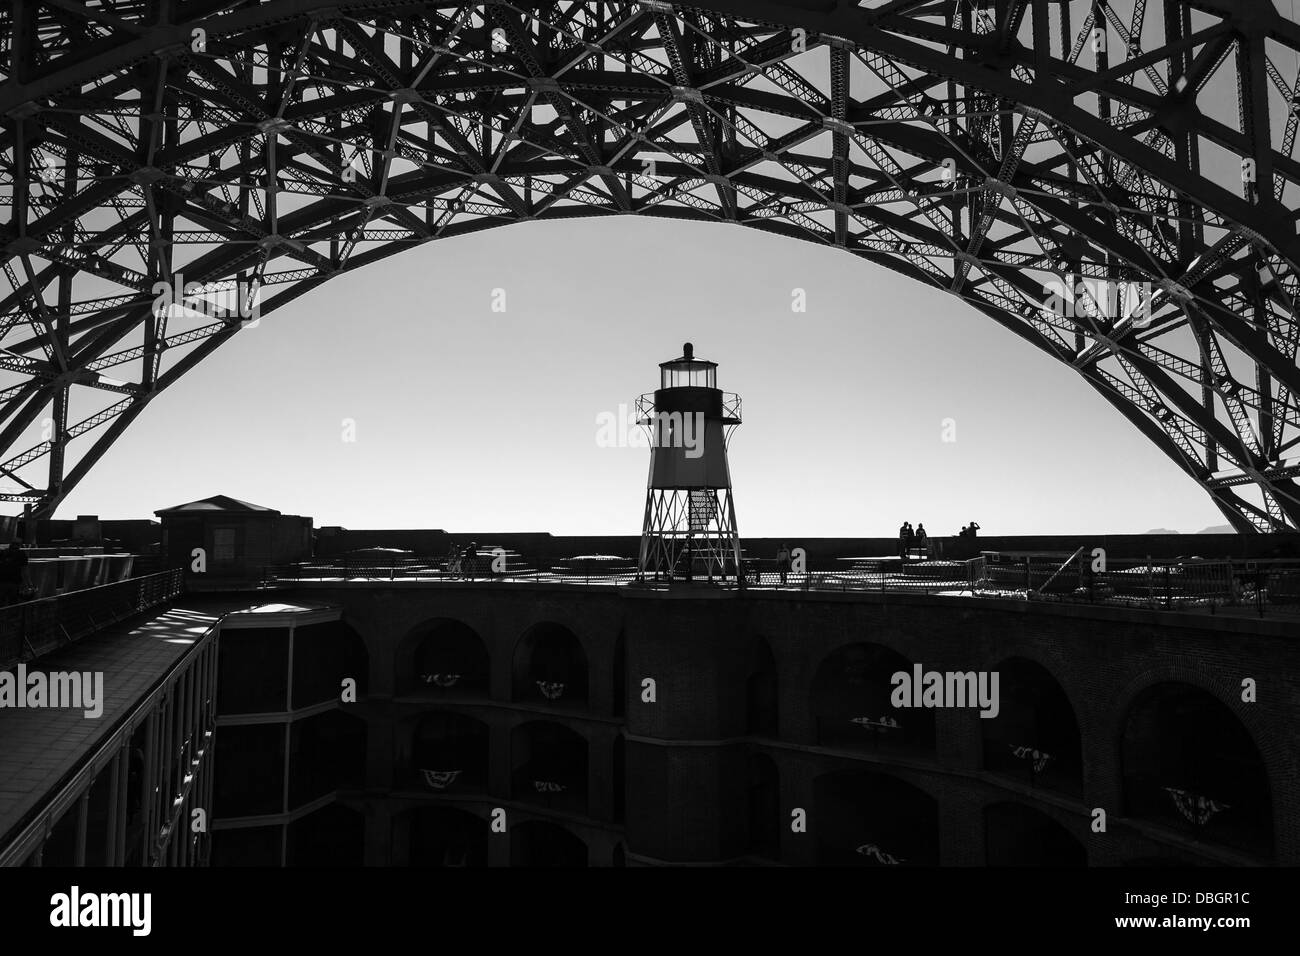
pixel 1113 181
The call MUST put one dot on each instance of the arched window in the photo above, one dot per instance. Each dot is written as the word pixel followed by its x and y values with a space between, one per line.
pixel 550 667
pixel 1188 762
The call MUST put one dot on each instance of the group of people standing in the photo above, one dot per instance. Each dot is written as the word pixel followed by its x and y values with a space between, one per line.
pixel 909 538
pixel 463 562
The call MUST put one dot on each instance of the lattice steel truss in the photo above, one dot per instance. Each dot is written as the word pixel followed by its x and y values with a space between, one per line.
pixel 986 148
pixel 690 533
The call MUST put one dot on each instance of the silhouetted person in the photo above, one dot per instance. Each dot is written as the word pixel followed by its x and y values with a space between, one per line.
pixel 453 559
pixel 470 560
pixel 13 573
pixel 973 528
pixel 902 539
pixel 921 536
pixel 783 560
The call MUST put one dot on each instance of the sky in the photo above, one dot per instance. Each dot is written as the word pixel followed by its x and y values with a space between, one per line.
pixel 462 417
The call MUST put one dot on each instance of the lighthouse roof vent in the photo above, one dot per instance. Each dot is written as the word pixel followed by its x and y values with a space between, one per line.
pixel 688 360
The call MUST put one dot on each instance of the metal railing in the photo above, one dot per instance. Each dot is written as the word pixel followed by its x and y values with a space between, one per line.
pixel 1177 584
pixel 1182 584
pixel 488 566
pixel 645 409
pixel 1165 585
pixel 33 628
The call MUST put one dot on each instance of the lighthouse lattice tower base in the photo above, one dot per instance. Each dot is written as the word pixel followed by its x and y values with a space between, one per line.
pixel 690 533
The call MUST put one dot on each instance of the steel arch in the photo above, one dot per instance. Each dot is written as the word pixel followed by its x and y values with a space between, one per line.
pixel 1002 150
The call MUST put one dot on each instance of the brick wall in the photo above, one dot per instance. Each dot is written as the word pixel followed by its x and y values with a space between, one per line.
pixel 683 752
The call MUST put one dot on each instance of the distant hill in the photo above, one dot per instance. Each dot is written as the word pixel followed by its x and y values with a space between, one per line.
pixel 1215 529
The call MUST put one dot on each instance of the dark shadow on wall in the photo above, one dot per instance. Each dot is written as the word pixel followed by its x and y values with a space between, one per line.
pixel 1017 835
pixel 446 836
pixel 538 843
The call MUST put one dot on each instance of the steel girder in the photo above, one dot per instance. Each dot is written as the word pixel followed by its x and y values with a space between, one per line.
pixel 995 149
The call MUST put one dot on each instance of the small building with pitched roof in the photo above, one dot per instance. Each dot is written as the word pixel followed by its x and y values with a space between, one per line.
pixel 225 541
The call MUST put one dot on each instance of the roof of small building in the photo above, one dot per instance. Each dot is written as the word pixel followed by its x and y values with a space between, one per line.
pixel 217 503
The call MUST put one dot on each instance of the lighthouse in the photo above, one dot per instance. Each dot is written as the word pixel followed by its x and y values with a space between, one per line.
pixel 690 518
